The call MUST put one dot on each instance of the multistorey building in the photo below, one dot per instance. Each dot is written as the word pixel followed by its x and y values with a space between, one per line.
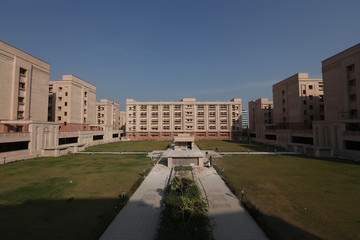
pixel 298 100
pixel 72 103
pixel 108 114
pixel 24 80
pixel 341 128
pixel 260 112
pixel 244 119
pixel 164 120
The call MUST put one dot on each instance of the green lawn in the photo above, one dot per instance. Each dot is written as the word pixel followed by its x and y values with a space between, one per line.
pixel 300 197
pixel 130 146
pixel 69 197
pixel 232 146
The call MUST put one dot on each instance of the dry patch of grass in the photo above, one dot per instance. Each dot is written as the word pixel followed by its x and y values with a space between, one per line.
pixel 300 197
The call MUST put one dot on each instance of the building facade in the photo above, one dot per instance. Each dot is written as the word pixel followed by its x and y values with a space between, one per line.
pixel 341 128
pixel 260 112
pixel 244 119
pixel 24 129
pixel 24 79
pixel 298 100
pixel 108 113
pixel 164 120
pixel 72 103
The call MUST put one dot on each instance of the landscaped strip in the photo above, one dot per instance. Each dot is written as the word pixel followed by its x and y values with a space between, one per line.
pixel 185 215
pixel 130 146
pixel 232 146
pixel 295 197
pixel 69 197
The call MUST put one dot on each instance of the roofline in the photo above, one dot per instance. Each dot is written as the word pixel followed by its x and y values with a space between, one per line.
pixel 24 52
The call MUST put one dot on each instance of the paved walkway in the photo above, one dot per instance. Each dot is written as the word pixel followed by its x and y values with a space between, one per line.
pixel 230 218
pixel 140 217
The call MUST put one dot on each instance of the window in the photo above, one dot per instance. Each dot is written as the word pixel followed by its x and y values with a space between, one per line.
pixel 212 127
pixel 200 107
pixel 50 89
pixel 166 127
pixel 22 86
pixel 304 92
pixel 21 100
pixel 310 87
pixel 85 94
pixel 177 127
pixel 60 89
pixel 20 115
pixel 353 113
pixel 65 104
pixel 22 72
pixel 305 112
pixel 283 92
pixel 59 118
pixel 65 113
pixel 353 97
pixel 200 127
pixel 66 93
pixel 304 102
pixel 283 101
pixel 311 107
pixel 350 68
pixel 352 83
pixel 321 108
pixel 311 97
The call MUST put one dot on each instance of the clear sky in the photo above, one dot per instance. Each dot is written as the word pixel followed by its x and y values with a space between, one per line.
pixel 165 50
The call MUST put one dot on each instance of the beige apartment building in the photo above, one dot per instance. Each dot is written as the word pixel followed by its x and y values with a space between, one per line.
pixel 108 114
pixel 298 100
pixel 72 103
pixel 341 128
pixel 24 80
pixel 122 120
pixel 260 112
pixel 164 120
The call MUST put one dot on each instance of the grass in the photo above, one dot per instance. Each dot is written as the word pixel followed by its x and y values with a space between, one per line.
pixel 232 146
pixel 130 146
pixel 69 197
pixel 299 197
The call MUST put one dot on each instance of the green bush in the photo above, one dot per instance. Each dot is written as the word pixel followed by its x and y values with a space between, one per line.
pixel 185 215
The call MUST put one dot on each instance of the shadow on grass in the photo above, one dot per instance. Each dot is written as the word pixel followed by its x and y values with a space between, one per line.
pixel 58 219
pixel 89 218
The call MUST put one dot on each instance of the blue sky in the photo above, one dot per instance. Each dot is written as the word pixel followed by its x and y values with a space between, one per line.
pixel 164 50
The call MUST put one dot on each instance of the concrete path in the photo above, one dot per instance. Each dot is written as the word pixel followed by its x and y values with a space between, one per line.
pixel 231 220
pixel 140 217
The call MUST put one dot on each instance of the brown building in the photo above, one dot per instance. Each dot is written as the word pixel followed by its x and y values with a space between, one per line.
pixel 298 100
pixel 164 120
pixel 72 103
pixel 341 128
